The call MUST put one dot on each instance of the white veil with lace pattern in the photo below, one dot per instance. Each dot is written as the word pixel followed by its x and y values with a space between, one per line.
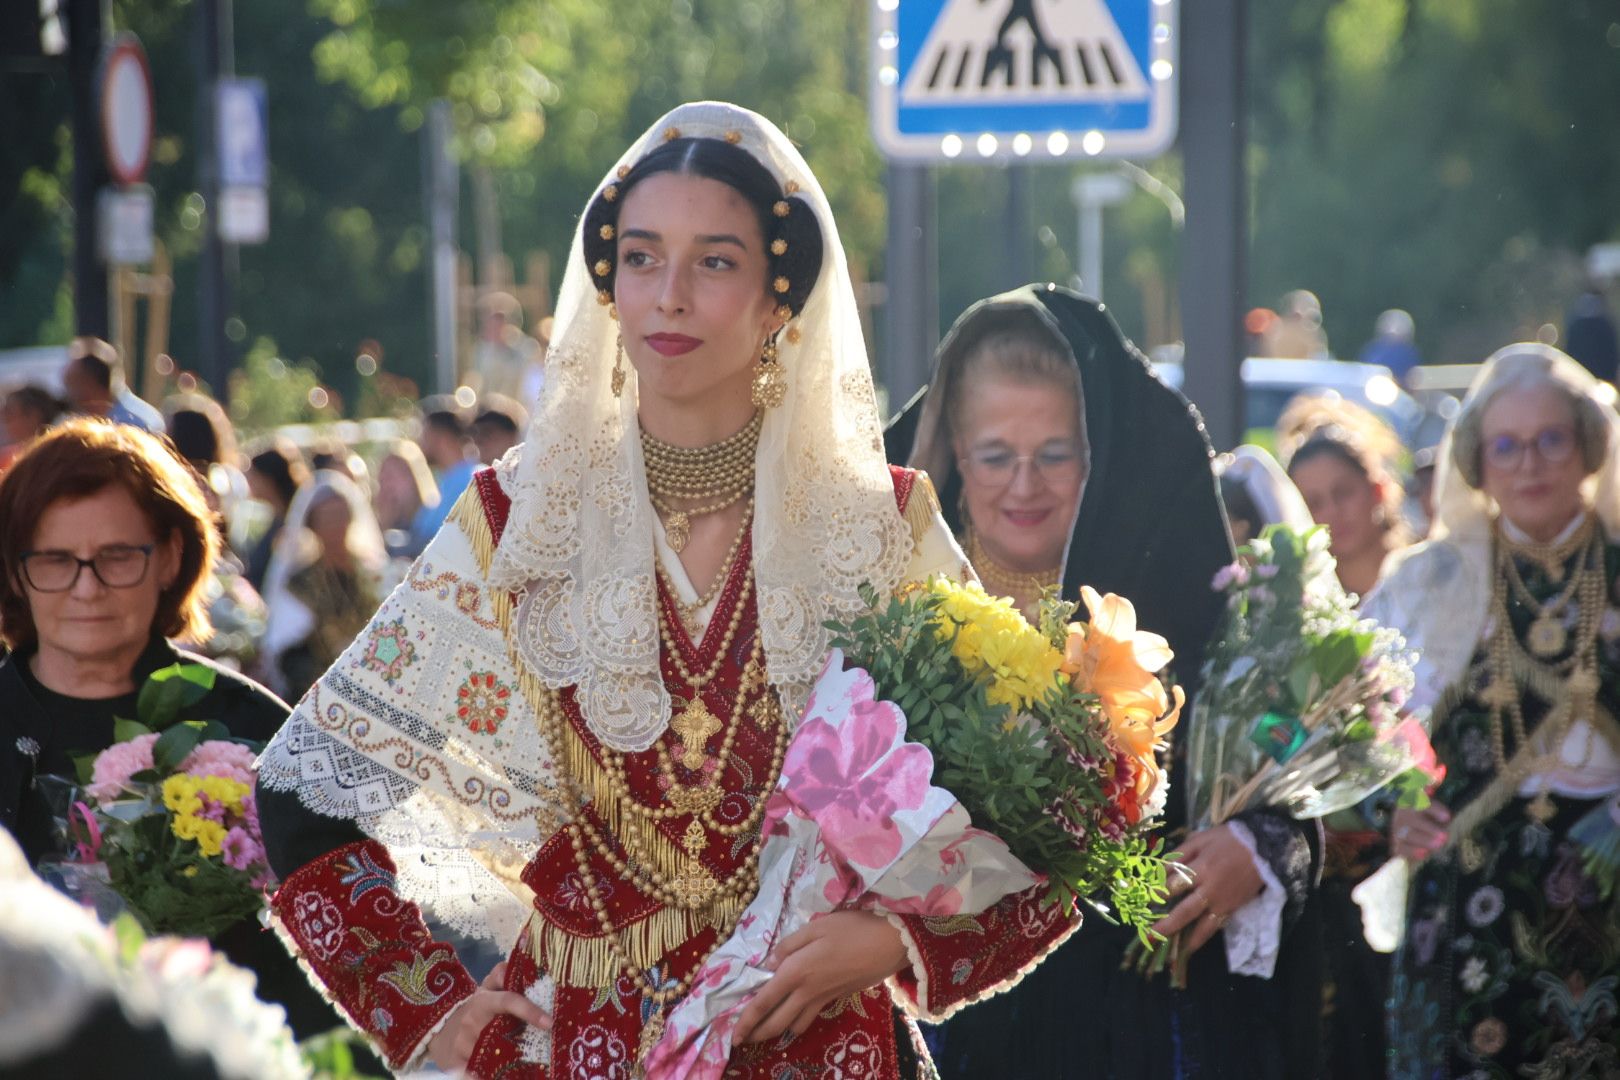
pixel 578 545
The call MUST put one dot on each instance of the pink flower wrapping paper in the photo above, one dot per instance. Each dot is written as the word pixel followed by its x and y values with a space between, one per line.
pixel 854 822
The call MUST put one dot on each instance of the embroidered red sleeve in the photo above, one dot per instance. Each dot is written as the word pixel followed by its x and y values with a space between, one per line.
pixel 960 959
pixel 370 949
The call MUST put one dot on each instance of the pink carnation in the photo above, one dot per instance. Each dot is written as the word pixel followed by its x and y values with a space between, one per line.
pixel 233 761
pixel 116 764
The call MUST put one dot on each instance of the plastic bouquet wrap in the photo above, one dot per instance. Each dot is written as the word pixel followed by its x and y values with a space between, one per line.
pixel 166 817
pixel 1303 703
pixel 939 711
pixel 1302 708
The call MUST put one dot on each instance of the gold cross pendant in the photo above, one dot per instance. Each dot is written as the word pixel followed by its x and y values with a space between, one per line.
pixel 695 726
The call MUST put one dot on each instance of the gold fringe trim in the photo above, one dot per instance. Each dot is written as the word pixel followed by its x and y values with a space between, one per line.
pixel 468 513
pixel 590 962
pixel 649 845
pixel 922 508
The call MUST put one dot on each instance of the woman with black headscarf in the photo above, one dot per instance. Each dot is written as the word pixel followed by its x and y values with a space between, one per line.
pixel 1039 410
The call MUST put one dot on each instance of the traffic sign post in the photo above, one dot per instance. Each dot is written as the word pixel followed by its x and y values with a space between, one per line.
pixel 1024 79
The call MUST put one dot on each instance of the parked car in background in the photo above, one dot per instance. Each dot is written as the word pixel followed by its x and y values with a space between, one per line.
pixel 1270 384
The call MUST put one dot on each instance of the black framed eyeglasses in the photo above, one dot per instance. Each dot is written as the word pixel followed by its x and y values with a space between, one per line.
pixel 117 566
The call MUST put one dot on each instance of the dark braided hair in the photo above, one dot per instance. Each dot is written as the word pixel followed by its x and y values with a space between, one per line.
pixel 793 241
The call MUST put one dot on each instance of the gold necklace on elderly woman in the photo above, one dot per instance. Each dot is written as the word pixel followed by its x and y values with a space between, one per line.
pixel 1502 694
pixel 712 477
pixel 1000 581
pixel 1547 636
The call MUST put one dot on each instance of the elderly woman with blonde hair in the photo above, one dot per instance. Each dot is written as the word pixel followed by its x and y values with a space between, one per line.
pixel 1510 954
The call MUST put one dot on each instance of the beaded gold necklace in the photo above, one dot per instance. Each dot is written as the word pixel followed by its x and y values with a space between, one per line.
pixel 718 903
pixel 1000 581
pixel 1546 639
pixel 688 483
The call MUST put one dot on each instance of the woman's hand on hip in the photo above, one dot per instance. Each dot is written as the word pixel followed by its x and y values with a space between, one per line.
pixel 835 956
pixel 1415 835
pixel 452 1047
pixel 1219 878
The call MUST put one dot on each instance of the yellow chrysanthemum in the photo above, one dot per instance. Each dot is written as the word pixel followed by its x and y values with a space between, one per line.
pixel 994 639
pixel 210 837
pixel 186 826
pixel 180 794
pixel 226 791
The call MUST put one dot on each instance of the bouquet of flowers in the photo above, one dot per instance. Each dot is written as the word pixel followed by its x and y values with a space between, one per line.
pixel 1047 736
pixel 1303 703
pixel 167 817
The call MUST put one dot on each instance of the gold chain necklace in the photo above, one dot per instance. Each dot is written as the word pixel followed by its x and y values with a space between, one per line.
pixel 1000 581
pixel 714 477
pixel 690 612
pixel 1502 694
pixel 694 888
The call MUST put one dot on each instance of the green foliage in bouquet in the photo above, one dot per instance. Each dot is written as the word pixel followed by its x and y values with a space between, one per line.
pixel 1303 700
pixel 168 813
pixel 1025 748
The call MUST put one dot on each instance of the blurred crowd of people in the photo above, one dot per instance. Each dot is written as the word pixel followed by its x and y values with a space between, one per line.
pixel 314 535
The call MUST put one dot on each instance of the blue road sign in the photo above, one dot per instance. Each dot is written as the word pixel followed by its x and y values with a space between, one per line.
pixel 967 79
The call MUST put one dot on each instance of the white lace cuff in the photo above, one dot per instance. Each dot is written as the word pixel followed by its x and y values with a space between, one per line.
pixel 1255 930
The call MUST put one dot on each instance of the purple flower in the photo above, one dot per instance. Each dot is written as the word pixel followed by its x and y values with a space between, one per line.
pixel 1266 571
pixel 211 810
pixel 1232 574
pixel 239 850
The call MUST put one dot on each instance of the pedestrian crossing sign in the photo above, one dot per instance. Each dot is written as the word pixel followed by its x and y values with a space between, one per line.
pixel 966 79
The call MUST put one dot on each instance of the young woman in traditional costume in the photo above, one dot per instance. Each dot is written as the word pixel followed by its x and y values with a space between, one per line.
pixel 1511 952
pixel 1062 460
pixel 558 733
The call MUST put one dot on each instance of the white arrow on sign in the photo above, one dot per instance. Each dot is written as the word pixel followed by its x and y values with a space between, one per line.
pixel 984 52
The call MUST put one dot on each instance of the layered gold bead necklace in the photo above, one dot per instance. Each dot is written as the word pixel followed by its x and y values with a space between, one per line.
pixel 1000 581
pixel 713 477
pixel 1546 639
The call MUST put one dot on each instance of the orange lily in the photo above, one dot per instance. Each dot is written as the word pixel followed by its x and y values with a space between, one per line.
pixel 1111 658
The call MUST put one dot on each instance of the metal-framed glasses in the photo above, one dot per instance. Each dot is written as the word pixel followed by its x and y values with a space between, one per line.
pixel 117 566
pixel 997 466
pixel 1553 445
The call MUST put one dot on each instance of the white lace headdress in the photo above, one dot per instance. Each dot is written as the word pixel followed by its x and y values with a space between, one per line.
pixel 1437 592
pixel 579 542
pixel 423 732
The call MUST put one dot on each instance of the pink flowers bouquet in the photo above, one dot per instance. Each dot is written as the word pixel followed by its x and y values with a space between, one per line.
pixel 169 819
pixel 854 821
pixel 1045 735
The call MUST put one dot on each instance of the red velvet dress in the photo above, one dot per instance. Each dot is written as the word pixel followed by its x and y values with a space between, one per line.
pixel 376 959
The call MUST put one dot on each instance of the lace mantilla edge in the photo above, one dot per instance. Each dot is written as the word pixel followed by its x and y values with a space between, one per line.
pixel 1254 933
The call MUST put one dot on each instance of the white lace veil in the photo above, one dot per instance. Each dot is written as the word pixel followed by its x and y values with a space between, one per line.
pixel 578 545
pixel 1437 592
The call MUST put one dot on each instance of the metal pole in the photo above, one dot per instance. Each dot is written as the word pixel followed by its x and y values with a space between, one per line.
pixel 911 315
pixel 1090 220
pixel 1214 261
pixel 1020 267
pixel 442 187
pixel 215 60
pixel 86 22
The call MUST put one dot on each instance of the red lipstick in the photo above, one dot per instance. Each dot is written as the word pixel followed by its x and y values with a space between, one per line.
pixel 673 344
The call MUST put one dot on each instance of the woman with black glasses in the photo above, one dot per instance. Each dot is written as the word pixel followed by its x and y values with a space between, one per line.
pixel 105 544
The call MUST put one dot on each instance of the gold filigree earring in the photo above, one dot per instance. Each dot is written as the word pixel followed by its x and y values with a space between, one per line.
pixel 616 383
pixel 770 385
